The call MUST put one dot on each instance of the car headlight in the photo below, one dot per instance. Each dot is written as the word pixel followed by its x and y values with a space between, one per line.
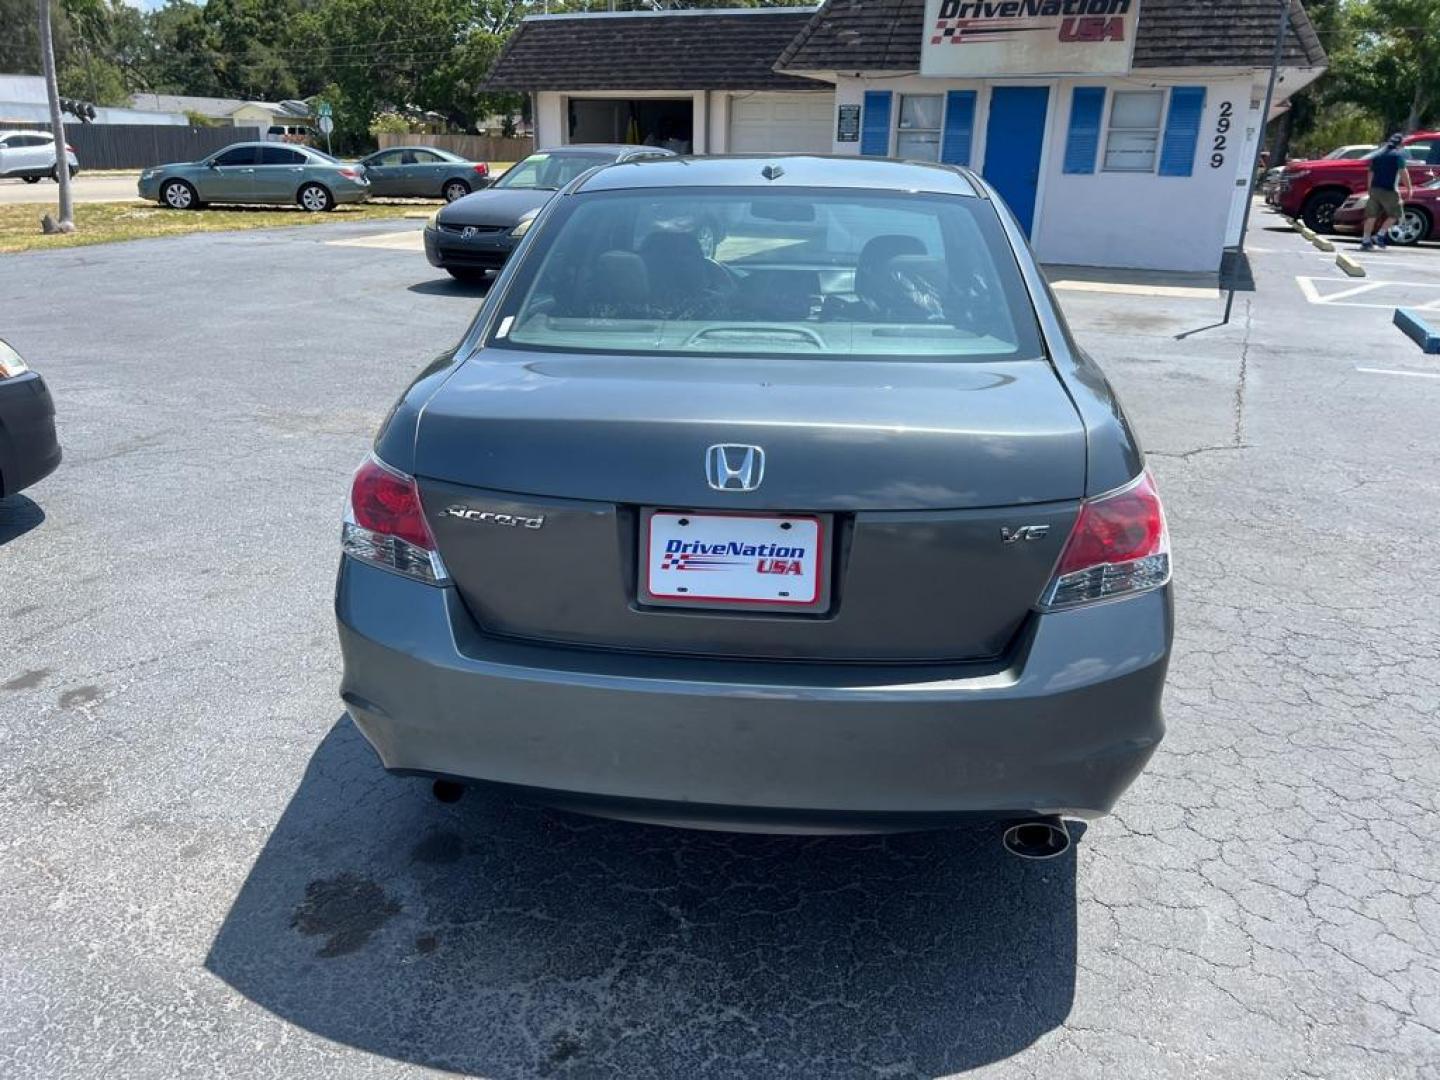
pixel 148 174
pixel 1296 174
pixel 524 226
pixel 433 221
pixel 10 362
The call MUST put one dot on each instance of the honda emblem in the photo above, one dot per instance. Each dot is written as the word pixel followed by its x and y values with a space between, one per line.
pixel 732 467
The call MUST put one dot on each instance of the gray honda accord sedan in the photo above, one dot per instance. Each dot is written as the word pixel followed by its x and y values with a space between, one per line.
pixel 835 529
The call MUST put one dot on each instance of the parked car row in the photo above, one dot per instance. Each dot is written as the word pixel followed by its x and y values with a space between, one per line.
pixel 271 173
pixel 1314 191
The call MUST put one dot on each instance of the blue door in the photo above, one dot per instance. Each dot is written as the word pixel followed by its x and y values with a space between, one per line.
pixel 1014 137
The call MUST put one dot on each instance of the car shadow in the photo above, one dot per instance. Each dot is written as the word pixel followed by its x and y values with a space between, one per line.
pixel 499 939
pixel 448 286
pixel 18 515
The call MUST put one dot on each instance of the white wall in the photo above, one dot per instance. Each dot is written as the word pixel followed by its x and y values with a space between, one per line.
pixel 1127 220
pixel 1144 221
pixel 40 114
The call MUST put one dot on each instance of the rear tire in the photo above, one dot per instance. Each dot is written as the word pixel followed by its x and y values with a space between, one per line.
pixel 315 198
pixel 31 179
pixel 55 173
pixel 178 195
pixel 454 189
pixel 1319 210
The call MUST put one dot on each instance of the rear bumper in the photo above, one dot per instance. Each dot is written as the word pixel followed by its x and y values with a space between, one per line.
pixel 485 252
pixel 29 450
pixel 350 192
pixel 1062 726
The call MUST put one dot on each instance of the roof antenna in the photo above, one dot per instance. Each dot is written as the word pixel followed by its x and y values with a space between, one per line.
pixel 772 172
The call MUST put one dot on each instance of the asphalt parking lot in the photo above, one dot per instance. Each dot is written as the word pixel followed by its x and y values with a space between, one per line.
pixel 204 872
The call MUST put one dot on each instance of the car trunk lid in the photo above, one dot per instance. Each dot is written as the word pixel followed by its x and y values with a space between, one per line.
pixel 919 471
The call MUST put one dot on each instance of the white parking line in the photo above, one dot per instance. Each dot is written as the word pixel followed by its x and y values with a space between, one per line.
pixel 409 240
pixel 1392 371
pixel 1317 290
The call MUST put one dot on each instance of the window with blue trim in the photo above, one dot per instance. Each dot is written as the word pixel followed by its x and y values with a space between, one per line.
pixel 1133 136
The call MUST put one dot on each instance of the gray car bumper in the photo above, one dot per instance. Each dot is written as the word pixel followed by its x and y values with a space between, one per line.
pixel 1062 726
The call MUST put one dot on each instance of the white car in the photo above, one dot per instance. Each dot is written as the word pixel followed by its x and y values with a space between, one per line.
pixel 31 155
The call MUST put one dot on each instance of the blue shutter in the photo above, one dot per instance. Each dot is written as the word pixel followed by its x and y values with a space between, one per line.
pixel 875 125
pixel 959 127
pixel 1182 130
pixel 1082 144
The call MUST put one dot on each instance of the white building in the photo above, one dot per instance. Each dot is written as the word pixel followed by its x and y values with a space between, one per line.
pixel 1121 132
pixel 23 100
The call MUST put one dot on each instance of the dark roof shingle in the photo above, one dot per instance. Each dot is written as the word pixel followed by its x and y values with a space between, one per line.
pixel 885 35
pixel 669 51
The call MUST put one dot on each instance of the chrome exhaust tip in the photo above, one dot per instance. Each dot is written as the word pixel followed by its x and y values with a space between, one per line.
pixel 1039 838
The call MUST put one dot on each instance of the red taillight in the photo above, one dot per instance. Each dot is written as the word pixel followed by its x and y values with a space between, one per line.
pixel 385 524
pixel 388 502
pixel 1119 545
pixel 482 168
pixel 69 148
pixel 350 174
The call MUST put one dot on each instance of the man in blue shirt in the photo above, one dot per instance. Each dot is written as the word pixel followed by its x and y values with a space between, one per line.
pixel 1387 175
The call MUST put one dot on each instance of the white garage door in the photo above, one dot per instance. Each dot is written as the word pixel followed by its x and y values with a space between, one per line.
pixel 760 123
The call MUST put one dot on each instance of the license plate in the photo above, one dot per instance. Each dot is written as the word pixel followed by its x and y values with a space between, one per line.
pixel 735 560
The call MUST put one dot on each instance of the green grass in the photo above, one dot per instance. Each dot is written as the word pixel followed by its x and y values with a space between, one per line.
pixel 105 223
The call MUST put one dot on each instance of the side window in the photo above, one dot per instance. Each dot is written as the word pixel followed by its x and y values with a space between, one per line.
pixel 424 157
pixel 239 155
pixel 408 157
pixel 1424 152
pixel 389 157
pixel 280 155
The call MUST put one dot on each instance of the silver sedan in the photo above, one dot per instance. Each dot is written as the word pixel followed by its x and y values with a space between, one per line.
pixel 424 172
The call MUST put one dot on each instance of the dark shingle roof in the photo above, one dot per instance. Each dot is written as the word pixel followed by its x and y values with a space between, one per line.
pixel 884 35
pixel 694 50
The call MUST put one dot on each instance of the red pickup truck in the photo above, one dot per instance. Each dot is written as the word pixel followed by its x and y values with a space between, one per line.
pixel 1314 190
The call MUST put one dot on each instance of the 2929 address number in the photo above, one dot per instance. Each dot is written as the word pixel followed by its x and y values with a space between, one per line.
pixel 1222 129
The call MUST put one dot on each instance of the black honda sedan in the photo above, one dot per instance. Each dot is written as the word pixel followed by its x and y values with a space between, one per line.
pixel 29 451
pixel 476 234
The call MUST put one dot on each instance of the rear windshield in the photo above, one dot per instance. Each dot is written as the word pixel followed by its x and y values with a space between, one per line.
pixel 757 272
pixel 550 172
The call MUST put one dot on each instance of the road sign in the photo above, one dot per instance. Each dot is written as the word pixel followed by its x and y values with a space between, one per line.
pixel 327 124
pixel 325 109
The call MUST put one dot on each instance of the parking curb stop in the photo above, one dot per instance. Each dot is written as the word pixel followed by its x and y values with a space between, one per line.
pixel 1418 330
pixel 1349 265
pixel 1323 244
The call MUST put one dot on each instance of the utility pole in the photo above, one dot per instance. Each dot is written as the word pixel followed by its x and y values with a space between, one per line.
pixel 57 126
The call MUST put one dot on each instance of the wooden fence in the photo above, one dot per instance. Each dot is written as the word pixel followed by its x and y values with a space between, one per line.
pixel 471 147
pixel 138 146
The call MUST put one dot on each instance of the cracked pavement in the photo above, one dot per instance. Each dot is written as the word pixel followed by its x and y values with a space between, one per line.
pixel 203 871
